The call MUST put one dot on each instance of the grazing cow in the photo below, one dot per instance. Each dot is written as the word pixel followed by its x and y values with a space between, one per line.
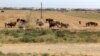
pixel 91 24
pixel 80 22
pixel 10 24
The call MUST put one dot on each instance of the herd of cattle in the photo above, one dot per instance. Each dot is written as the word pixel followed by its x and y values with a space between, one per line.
pixel 51 22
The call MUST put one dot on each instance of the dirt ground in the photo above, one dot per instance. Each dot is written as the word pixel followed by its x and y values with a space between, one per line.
pixel 88 49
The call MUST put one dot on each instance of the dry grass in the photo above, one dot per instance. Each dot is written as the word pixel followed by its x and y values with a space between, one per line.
pixel 71 18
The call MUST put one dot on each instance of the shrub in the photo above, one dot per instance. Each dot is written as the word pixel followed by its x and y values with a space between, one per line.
pixel 59 34
pixel 14 33
pixel 12 54
pixel 45 54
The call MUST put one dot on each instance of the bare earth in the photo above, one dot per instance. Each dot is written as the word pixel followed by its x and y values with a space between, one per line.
pixel 88 49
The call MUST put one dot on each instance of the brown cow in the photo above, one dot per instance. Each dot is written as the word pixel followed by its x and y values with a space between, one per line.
pixel 53 23
pixel 2 11
pixel 10 24
pixel 13 24
pixel 21 20
pixel 91 24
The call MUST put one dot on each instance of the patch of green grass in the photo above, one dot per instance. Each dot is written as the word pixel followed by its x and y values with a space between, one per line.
pixel 45 54
pixel 14 33
pixel 42 54
pixel 60 34
pixel 49 36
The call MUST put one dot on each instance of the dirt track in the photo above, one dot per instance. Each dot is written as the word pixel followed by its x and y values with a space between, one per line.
pixel 89 49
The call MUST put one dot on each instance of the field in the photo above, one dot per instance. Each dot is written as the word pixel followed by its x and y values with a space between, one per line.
pixel 76 40
pixel 71 18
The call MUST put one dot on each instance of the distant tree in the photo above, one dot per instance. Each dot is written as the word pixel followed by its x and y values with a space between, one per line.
pixel 79 9
pixel 97 9
pixel 8 8
pixel 63 9
pixel 26 8
pixel 49 9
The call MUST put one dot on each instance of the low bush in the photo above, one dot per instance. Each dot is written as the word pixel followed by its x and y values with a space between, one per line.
pixel 49 36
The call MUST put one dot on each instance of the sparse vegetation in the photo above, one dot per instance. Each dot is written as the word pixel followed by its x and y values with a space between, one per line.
pixel 37 54
pixel 36 36
pixel 45 54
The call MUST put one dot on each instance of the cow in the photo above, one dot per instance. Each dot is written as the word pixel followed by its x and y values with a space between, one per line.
pixel 53 24
pixel 13 24
pixel 91 24
pixel 2 11
pixel 10 24
pixel 21 20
